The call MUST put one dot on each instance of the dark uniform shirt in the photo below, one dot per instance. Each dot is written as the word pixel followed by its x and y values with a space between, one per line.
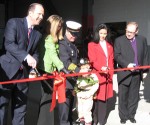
pixel 68 54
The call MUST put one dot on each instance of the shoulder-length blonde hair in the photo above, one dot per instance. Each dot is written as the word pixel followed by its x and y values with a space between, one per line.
pixel 54 27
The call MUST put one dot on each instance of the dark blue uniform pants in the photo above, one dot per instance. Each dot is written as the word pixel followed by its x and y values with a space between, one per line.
pixel 65 109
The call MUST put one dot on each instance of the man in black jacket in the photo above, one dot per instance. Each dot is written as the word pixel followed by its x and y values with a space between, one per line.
pixel 21 55
pixel 131 50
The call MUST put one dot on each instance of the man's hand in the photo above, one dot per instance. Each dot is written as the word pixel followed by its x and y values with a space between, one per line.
pixel 131 65
pixel 31 61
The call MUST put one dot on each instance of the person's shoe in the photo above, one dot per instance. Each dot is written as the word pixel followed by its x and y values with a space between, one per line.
pixel 123 121
pixel 132 120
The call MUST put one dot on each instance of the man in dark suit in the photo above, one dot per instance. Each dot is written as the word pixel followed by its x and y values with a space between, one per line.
pixel 68 54
pixel 130 50
pixel 21 56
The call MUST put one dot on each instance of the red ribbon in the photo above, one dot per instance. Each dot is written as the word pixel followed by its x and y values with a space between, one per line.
pixel 60 82
pixel 59 87
pixel 46 76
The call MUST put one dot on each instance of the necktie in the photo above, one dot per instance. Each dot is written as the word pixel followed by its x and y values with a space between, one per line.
pixel 133 43
pixel 29 32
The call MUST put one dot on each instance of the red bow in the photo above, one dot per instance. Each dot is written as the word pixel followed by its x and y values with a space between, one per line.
pixel 60 88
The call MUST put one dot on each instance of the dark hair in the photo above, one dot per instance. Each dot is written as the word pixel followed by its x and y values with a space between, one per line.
pixel 96 37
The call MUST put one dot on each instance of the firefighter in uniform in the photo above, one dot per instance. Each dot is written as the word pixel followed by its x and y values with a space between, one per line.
pixel 68 54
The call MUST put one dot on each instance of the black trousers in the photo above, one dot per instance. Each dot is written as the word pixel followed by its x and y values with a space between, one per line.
pixel 65 109
pixel 45 116
pixel 17 93
pixel 100 112
pixel 129 97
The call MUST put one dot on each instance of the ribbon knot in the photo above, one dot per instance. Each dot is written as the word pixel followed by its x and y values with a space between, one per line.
pixel 59 87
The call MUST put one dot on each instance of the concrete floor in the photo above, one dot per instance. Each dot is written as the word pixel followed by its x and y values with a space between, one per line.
pixel 142 116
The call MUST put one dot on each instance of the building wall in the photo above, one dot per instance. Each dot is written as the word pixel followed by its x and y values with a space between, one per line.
pixel 106 11
pixel 69 9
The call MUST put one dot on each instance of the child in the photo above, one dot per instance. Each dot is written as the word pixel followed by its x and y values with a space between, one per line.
pixel 86 87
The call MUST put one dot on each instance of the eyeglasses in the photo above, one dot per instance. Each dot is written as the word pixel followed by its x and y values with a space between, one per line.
pixel 130 32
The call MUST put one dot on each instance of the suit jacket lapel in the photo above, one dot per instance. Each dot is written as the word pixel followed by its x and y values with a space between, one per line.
pixel 23 27
pixel 108 49
pixel 138 48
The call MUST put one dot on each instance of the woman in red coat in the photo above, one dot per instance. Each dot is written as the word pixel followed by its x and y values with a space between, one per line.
pixel 100 54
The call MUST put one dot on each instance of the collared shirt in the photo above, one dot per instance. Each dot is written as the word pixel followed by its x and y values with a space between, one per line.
pixel 104 47
pixel 29 25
